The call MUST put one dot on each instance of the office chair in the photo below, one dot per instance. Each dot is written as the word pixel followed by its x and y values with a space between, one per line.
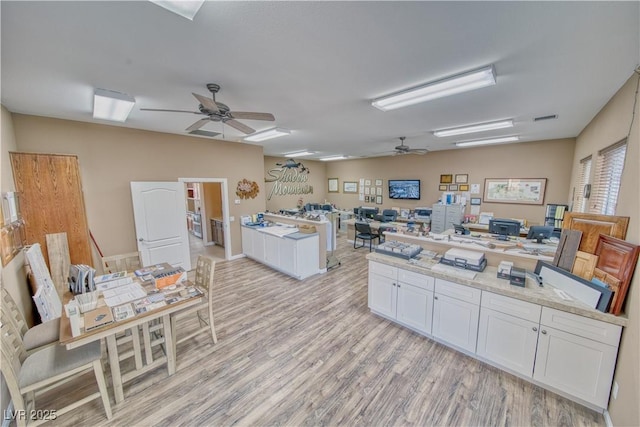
pixel 364 232
pixel 389 215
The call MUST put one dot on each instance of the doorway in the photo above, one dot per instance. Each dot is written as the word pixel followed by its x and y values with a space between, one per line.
pixel 207 217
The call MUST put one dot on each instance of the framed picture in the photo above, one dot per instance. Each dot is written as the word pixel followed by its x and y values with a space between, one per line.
pixel 476 201
pixel 367 182
pixel 524 191
pixel 366 199
pixel 379 191
pixel 462 178
pixel 366 190
pixel 443 187
pixel 333 185
pixel 446 179
pixel 378 200
pixel 378 182
pixel 463 187
pixel 349 187
pixel 453 187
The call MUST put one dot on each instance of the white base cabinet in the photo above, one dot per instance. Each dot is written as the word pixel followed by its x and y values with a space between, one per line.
pixel 568 353
pixel 401 295
pixel 296 257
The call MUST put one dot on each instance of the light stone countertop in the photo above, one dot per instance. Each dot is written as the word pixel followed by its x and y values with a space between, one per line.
pixel 488 281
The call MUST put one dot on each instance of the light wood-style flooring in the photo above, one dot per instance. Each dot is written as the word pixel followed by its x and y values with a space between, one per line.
pixel 309 352
pixel 197 248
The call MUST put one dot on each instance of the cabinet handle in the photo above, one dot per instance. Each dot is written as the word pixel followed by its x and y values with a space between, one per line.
pixel 544 332
pixel 535 329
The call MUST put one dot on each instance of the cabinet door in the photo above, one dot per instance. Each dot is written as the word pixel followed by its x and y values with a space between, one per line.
pixel 272 250
pixel 507 340
pixel 382 295
pixel 576 365
pixel 414 307
pixel 455 321
pixel 258 245
pixel 288 256
pixel 247 241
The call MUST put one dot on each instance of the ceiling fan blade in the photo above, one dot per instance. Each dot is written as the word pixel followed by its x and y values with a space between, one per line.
pixel 171 111
pixel 239 126
pixel 252 116
pixel 197 125
pixel 206 102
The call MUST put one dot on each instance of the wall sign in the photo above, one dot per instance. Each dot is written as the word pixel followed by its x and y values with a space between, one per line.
pixel 289 178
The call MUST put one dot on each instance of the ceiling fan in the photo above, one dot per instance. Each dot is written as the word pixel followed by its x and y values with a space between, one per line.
pixel 218 112
pixel 405 149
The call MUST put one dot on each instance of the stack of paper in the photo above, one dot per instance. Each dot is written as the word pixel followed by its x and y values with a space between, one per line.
pixel 81 278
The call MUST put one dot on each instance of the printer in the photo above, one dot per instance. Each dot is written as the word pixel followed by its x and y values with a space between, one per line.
pixel 422 213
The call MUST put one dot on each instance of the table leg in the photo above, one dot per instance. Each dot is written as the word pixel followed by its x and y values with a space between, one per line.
pixel 137 352
pixel 169 344
pixel 116 378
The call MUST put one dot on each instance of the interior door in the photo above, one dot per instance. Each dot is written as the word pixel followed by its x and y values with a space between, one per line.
pixel 161 230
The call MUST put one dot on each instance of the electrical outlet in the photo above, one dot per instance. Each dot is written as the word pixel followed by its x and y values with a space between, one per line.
pixel 615 390
pixel 232 218
pixel 237 201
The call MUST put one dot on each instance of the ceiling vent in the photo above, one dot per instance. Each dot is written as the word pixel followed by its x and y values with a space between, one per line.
pixel 204 133
pixel 551 117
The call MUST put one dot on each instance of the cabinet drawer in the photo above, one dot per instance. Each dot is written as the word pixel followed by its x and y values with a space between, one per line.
pixel 596 330
pixel 383 270
pixel 460 292
pixel 416 279
pixel 515 307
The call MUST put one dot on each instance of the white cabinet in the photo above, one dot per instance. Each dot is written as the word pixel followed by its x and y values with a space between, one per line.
pixel 401 295
pixel 295 257
pixel 508 332
pixel 455 314
pixel 577 355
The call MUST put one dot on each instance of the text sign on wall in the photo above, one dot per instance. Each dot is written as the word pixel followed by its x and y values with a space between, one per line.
pixel 289 178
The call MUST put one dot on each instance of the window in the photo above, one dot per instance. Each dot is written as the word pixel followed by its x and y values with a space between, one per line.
pixel 582 191
pixel 607 181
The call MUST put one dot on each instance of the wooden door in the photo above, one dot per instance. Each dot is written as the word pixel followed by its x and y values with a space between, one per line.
pixel 51 201
pixel 593 225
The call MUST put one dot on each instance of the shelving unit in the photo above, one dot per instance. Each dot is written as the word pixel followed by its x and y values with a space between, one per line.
pixel 554 215
pixel 194 218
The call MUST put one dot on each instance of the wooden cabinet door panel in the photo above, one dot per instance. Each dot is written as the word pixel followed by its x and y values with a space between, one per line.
pixel 592 225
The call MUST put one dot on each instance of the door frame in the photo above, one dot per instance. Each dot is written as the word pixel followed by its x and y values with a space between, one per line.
pixel 225 210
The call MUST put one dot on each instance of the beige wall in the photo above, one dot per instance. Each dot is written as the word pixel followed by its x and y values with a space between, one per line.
pixel 111 157
pixel 541 159
pixel 611 125
pixel 317 178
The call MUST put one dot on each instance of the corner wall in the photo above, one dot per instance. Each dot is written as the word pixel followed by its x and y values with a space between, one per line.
pixel 609 126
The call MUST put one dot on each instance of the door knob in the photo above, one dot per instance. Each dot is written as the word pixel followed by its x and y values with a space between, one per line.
pixel 141 240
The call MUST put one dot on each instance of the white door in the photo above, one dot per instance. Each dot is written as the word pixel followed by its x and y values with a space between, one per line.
pixel 415 307
pixel 161 229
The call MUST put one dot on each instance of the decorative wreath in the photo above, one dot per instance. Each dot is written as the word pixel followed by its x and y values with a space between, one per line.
pixel 247 189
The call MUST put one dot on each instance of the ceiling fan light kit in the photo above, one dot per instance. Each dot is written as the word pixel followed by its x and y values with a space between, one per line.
pixel 464 82
pixel 267 134
pixel 185 8
pixel 497 140
pixel 111 105
pixel 479 127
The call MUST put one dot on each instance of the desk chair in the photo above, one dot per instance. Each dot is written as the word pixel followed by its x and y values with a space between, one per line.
pixel 364 232
pixel 44 334
pixel 205 268
pixel 129 262
pixel 46 368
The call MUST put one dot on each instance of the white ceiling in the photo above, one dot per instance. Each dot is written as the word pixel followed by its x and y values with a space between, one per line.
pixel 317 65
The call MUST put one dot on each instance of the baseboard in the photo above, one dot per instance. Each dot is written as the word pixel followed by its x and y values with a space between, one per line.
pixel 607 418
pixel 237 257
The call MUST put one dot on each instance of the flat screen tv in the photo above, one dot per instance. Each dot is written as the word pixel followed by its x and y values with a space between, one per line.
pixel 407 189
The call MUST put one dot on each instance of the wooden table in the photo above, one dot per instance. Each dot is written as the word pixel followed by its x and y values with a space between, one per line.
pixel 109 332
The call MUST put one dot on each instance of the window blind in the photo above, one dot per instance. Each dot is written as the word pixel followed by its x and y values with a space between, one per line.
pixel 607 181
pixel 580 201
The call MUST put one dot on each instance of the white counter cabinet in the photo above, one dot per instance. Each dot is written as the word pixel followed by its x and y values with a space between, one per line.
pixel 293 254
pixel 570 354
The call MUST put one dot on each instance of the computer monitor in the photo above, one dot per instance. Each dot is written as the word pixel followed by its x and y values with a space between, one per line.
pixel 540 232
pixel 504 227
pixel 368 213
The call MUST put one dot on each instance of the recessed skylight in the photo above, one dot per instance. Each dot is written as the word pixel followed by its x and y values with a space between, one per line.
pixel 330 158
pixel 479 127
pixel 111 105
pixel 184 8
pixel 299 154
pixel 267 134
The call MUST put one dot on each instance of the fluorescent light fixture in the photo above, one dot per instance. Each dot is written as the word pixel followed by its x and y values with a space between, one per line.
pixel 267 134
pixel 184 8
pixel 299 154
pixel 488 141
pixel 111 105
pixel 327 159
pixel 480 127
pixel 448 86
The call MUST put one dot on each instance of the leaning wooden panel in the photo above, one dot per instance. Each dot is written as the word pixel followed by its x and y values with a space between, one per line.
pixel 51 201
pixel 593 225
pixel 617 258
pixel 59 261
